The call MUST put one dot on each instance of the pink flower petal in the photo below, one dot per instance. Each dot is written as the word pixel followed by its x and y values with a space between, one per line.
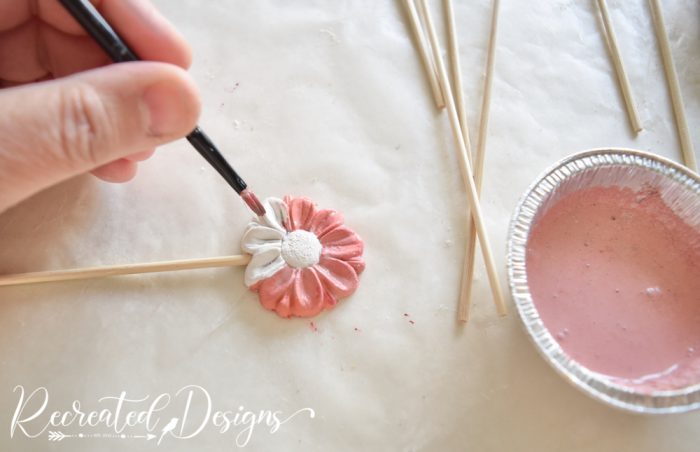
pixel 301 211
pixel 338 277
pixel 342 243
pixel 357 263
pixel 274 289
pixel 283 308
pixel 307 300
pixel 329 300
pixel 325 221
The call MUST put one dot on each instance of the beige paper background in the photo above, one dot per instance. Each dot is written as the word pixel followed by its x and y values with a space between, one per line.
pixel 328 100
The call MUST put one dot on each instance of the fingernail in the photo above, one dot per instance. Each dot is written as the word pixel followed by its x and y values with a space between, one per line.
pixel 166 103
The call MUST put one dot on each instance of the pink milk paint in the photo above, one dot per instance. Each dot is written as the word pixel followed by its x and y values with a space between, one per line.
pixel 615 276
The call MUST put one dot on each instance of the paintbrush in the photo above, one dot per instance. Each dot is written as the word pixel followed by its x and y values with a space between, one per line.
pixel 96 26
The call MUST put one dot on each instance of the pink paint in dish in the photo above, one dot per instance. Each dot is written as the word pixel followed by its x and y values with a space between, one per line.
pixel 615 276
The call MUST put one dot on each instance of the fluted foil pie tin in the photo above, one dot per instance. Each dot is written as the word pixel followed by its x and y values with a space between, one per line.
pixel 680 190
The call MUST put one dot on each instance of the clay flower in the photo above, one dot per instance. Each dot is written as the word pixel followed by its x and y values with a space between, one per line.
pixel 304 259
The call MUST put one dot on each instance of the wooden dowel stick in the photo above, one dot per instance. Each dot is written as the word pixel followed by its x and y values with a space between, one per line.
pixel 611 40
pixel 453 52
pixel 428 63
pixel 127 269
pixel 673 86
pixel 465 166
pixel 465 299
pixel 463 130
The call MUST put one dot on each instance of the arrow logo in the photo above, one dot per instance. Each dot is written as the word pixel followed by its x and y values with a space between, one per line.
pixel 55 436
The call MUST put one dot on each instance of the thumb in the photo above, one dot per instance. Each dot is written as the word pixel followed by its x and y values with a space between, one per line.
pixel 51 131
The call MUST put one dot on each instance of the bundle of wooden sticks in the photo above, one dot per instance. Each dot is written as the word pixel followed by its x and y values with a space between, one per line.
pixel 471 166
pixel 669 69
pixel 450 96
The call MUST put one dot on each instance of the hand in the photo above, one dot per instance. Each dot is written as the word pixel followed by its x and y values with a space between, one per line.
pixel 62 113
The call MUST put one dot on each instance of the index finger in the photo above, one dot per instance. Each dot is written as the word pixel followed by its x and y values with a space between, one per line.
pixel 138 22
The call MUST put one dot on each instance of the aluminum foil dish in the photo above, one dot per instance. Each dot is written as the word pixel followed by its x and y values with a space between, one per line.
pixel 678 188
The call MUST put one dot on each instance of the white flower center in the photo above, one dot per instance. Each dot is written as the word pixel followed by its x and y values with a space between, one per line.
pixel 301 249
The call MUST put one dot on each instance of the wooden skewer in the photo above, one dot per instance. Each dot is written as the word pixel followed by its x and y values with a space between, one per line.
pixel 673 86
pixel 127 269
pixel 465 166
pixel 422 11
pixel 624 82
pixel 453 52
pixel 465 299
pixel 428 63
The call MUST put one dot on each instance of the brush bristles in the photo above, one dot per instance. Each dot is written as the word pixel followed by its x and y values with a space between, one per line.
pixel 253 202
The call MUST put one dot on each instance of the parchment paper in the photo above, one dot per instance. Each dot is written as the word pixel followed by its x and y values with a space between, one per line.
pixel 329 100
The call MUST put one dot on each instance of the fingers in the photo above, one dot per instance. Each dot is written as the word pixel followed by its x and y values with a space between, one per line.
pixel 54 130
pixel 140 156
pixel 146 31
pixel 19 58
pixel 121 170
pixel 55 43
pixel 13 13
pixel 54 14
pixel 66 54
pixel 34 49
pixel 150 35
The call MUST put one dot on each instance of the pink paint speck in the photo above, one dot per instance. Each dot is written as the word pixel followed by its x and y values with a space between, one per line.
pixel 231 89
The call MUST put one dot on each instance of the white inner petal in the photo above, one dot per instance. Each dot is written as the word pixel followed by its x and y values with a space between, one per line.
pixel 301 249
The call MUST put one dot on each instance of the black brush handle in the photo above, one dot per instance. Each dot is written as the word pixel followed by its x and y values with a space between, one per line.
pixel 201 142
pixel 96 26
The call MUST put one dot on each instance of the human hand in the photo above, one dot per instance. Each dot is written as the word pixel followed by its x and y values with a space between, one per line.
pixel 62 113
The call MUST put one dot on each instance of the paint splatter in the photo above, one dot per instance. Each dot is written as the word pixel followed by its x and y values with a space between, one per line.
pixel 231 89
